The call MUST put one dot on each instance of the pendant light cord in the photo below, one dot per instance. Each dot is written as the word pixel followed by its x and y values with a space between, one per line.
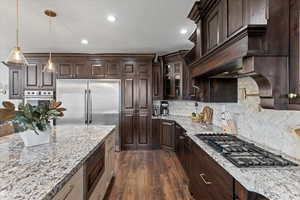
pixel 50 35
pixel 18 22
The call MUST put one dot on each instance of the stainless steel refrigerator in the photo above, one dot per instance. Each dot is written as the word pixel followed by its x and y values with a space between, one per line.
pixel 93 101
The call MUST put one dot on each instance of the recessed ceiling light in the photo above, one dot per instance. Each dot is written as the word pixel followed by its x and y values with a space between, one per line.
pixel 111 18
pixel 84 41
pixel 183 31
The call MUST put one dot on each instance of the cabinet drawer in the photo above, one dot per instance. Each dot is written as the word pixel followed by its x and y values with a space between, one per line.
pixel 73 189
pixel 214 177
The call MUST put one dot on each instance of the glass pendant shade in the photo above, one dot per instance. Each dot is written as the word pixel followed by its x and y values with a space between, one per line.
pixel 16 58
pixel 50 67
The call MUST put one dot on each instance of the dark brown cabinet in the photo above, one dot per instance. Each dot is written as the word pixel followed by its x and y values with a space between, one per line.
pixel 129 125
pixel 214 27
pixel 235 38
pixel 217 90
pixel 167 135
pixel 294 54
pixel 113 69
pixel 157 82
pixel 16 83
pixel 81 70
pixel 98 69
pixel 31 76
pixel 242 193
pixel 65 70
pixel 176 76
pixel 209 180
pixel 156 133
pixel 35 78
pixel 180 147
pixel 136 105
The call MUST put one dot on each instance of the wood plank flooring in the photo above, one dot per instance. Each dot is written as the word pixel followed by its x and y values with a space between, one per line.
pixel 149 175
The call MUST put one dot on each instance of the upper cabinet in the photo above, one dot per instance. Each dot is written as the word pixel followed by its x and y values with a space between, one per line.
pixel 35 78
pixel 157 81
pixel 294 55
pixel 16 83
pixel 176 76
pixel 238 38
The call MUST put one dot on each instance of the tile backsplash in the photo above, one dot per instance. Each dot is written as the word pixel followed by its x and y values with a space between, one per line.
pixel 272 128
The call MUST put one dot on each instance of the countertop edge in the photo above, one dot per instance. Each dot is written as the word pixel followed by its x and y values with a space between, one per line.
pixel 56 189
pixel 225 164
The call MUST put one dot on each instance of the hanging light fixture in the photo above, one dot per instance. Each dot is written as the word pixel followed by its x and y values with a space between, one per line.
pixel 16 56
pixel 50 66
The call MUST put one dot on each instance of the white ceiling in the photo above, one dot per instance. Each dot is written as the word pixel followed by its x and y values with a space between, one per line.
pixel 142 26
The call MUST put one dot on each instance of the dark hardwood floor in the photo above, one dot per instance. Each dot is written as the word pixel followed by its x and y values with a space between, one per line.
pixel 149 175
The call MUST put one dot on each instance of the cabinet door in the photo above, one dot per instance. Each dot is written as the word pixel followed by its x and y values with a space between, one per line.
pixel 81 70
pixel 213 177
pixel 167 135
pixel 98 69
pixel 294 53
pixel 31 76
pixel 128 85
pixel 47 80
pixel 198 187
pixel 234 16
pixel 156 133
pixel 65 70
pixel 157 82
pixel 15 83
pixel 144 93
pixel 174 80
pixel 129 68
pixel 128 136
pixel 214 27
pixel 143 134
pixel 180 143
pixel 144 68
pixel 113 69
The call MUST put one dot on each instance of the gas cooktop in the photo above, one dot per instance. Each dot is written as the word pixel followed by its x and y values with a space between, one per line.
pixel 243 154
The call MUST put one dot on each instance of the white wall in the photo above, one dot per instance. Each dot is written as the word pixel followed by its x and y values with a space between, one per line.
pixel 3 74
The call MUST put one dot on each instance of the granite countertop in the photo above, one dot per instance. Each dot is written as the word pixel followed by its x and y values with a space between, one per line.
pixel 40 172
pixel 274 183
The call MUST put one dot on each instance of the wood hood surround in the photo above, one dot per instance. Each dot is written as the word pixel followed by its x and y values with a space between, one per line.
pixel 251 35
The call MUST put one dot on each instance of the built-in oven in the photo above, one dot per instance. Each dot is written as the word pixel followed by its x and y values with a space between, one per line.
pixel 36 97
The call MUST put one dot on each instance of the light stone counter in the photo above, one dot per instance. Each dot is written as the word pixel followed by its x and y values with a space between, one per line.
pixel 274 183
pixel 40 172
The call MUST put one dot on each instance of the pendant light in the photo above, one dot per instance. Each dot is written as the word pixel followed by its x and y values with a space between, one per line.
pixel 50 66
pixel 16 56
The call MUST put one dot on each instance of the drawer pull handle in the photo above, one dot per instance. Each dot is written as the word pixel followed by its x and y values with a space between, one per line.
pixel 69 192
pixel 181 137
pixel 203 179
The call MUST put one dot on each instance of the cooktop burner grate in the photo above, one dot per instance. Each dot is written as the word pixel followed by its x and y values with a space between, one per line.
pixel 243 154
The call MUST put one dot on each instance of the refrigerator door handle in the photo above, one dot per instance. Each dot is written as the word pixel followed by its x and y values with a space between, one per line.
pixel 90 108
pixel 85 106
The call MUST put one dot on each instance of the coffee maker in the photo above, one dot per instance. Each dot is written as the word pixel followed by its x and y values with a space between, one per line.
pixel 164 108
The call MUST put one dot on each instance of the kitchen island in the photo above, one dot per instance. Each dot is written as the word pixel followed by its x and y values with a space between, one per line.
pixel 40 172
pixel 275 183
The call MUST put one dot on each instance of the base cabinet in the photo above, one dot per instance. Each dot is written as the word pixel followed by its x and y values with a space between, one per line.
pixel 156 133
pixel 209 180
pixel 93 178
pixel 73 189
pixel 167 135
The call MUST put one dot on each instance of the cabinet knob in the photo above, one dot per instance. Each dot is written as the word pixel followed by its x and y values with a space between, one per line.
pixel 292 95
